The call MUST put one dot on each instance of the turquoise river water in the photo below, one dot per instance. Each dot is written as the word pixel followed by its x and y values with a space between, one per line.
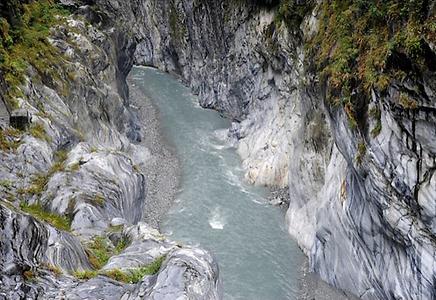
pixel 215 208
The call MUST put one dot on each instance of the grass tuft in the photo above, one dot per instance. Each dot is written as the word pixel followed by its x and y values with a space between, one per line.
pixel 100 250
pixel 9 139
pixel 85 275
pixel 38 212
pixel 130 276
pixel 361 151
pixel 29 275
pixel 137 274
pixel 52 268
pixel 39 181
pixel 38 131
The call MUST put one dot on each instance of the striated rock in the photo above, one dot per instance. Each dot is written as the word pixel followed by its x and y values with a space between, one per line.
pixel 104 186
pixel 222 50
pixel 26 243
pixel 82 163
pixel 364 218
pixel 185 274
pixel 28 247
pixel 362 207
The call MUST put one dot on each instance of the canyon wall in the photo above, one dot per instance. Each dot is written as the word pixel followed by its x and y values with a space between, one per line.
pixel 362 205
pixel 73 191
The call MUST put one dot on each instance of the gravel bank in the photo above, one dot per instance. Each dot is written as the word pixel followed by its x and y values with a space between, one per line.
pixel 162 168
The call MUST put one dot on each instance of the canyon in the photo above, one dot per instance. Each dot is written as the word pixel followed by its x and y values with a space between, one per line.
pixel 360 179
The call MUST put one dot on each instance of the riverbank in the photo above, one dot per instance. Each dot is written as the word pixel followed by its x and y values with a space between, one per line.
pixel 162 170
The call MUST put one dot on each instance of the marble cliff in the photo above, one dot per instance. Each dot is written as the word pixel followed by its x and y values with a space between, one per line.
pixel 357 153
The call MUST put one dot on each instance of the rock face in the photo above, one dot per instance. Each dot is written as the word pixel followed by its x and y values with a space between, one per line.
pixel 361 207
pixel 211 46
pixel 78 173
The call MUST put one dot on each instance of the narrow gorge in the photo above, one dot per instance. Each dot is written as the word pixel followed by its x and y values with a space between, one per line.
pixel 331 104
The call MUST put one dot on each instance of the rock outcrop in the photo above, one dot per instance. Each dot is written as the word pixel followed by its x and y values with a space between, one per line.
pixel 75 179
pixel 361 206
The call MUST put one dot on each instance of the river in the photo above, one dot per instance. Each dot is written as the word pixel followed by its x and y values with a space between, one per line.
pixel 215 208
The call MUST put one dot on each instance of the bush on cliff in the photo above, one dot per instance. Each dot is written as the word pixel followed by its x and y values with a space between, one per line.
pixel 24 29
pixel 368 44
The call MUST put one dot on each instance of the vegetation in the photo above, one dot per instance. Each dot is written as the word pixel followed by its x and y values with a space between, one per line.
pixel 177 27
pixel 9 139
pixel 134 275
pixel 29 275
pixel 39 182
pixel 121 245
pixel 118 275
pixel 74 167
pixel 98 200
pixel 292 13
pixel 150 269
pixel 37 211
pixel 38 131
pixel 52 268
pixel 100 250
pixel 24 29
pixel 361 151
pixel 116 228
pixel 366 44
pixel 7 184
pixel 407 102
pixel 375 113
pixel 85 275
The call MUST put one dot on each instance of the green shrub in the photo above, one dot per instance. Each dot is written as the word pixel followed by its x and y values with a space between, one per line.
pixel 355 41
pixel 292 13
pixel 99 252
pixel 26 44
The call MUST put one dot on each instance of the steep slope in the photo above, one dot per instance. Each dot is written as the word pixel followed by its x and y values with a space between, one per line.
pixel 357 154
pixel 361 173
pixel 73 191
